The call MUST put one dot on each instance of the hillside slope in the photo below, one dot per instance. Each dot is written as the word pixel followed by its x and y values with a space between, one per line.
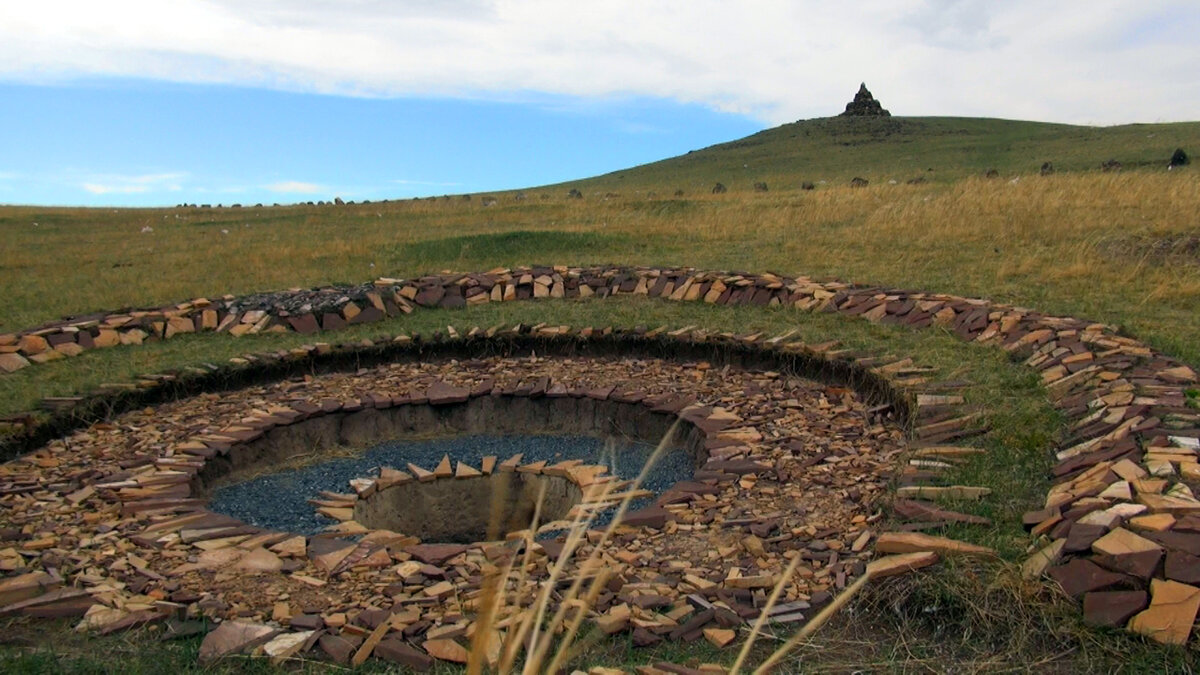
pixel 836 149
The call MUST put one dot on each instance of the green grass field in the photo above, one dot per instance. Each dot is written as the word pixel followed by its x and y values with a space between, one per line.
pixel 1120 248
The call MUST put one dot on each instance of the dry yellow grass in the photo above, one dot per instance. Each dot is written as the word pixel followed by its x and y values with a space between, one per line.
pixel 1092 245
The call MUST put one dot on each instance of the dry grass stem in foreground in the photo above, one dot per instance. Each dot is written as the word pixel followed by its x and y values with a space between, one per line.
pixel 533 631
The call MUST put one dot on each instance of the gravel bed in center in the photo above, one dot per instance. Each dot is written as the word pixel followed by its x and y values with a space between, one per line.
pixel 279 501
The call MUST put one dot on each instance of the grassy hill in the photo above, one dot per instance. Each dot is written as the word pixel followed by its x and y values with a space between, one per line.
pixel 940 149
pixel 1123 248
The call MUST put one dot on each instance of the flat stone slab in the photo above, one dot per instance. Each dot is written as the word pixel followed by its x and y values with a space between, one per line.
pixel 234 637
pixel 1113 608
pixel 1172 612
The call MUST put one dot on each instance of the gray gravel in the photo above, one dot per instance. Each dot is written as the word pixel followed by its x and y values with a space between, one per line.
pixel 280 501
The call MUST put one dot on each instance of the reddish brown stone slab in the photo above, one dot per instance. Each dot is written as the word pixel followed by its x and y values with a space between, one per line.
pixel 338 648
pixel 434 554
pixel 305 324
pixel 1113 608
pixel 1183 567
pixel 652 516
pixel 442 393
pixel 925 511
pixel 397 651
pixel 1081 537
pixel 1141 565
pixel 1178 541
pixel 1081 576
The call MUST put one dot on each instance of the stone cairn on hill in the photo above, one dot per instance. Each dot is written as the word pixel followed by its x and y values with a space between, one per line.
pixel 864 105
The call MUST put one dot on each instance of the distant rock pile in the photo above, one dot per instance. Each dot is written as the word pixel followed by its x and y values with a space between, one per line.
pixel 864 105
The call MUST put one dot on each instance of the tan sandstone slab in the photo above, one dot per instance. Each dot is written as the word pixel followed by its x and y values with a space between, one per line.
pixel 1121 541
pixel 12 362
pixel 233 637
pixel 1172 612
pixel 260 560
pixel 912 542
pixel 446 650
pixel 286 646
pixel 902 563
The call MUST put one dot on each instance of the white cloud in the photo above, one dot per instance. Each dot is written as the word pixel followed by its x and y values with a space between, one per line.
pixel 402 181
pixel 294 186
pixel 119 184
pixel 1102 61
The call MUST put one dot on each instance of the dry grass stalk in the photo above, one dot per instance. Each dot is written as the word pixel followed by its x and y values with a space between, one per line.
pixel 533 665
pixel 532 630
pixel 814 625
pixel 762 617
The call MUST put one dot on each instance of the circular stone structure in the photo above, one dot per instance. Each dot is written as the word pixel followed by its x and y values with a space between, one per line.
pixel 784 467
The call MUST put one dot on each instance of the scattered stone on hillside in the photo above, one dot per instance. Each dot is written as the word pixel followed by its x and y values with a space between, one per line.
pixel 1179 158
pixel 864 105
pixel 1047 168
pixel 915 181
pixel 992 173
pixel 489 201
pixel 859 182
pixel 1110 165
pixel 760 187
pixel 808 185
pixel 574 194
pixel 679 193
pixel 719 188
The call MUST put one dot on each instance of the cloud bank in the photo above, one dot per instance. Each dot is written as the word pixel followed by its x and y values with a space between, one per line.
pixel 294 187
pixel 1101 61
pixel 126 185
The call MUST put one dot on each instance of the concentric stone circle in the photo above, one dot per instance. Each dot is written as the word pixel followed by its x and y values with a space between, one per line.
pixel 1121 505
pixel 758 433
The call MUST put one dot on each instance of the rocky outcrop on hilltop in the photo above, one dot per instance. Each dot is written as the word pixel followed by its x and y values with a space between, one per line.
pixel 865 105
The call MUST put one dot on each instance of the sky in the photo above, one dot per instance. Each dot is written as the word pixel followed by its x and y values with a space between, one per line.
pixel 144 102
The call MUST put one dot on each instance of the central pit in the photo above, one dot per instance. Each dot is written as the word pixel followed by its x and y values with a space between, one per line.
pixel 479 508
pixel 282 499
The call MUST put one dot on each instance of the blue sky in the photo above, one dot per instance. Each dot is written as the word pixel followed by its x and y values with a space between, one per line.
pixel 119 142
pixel 144 102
